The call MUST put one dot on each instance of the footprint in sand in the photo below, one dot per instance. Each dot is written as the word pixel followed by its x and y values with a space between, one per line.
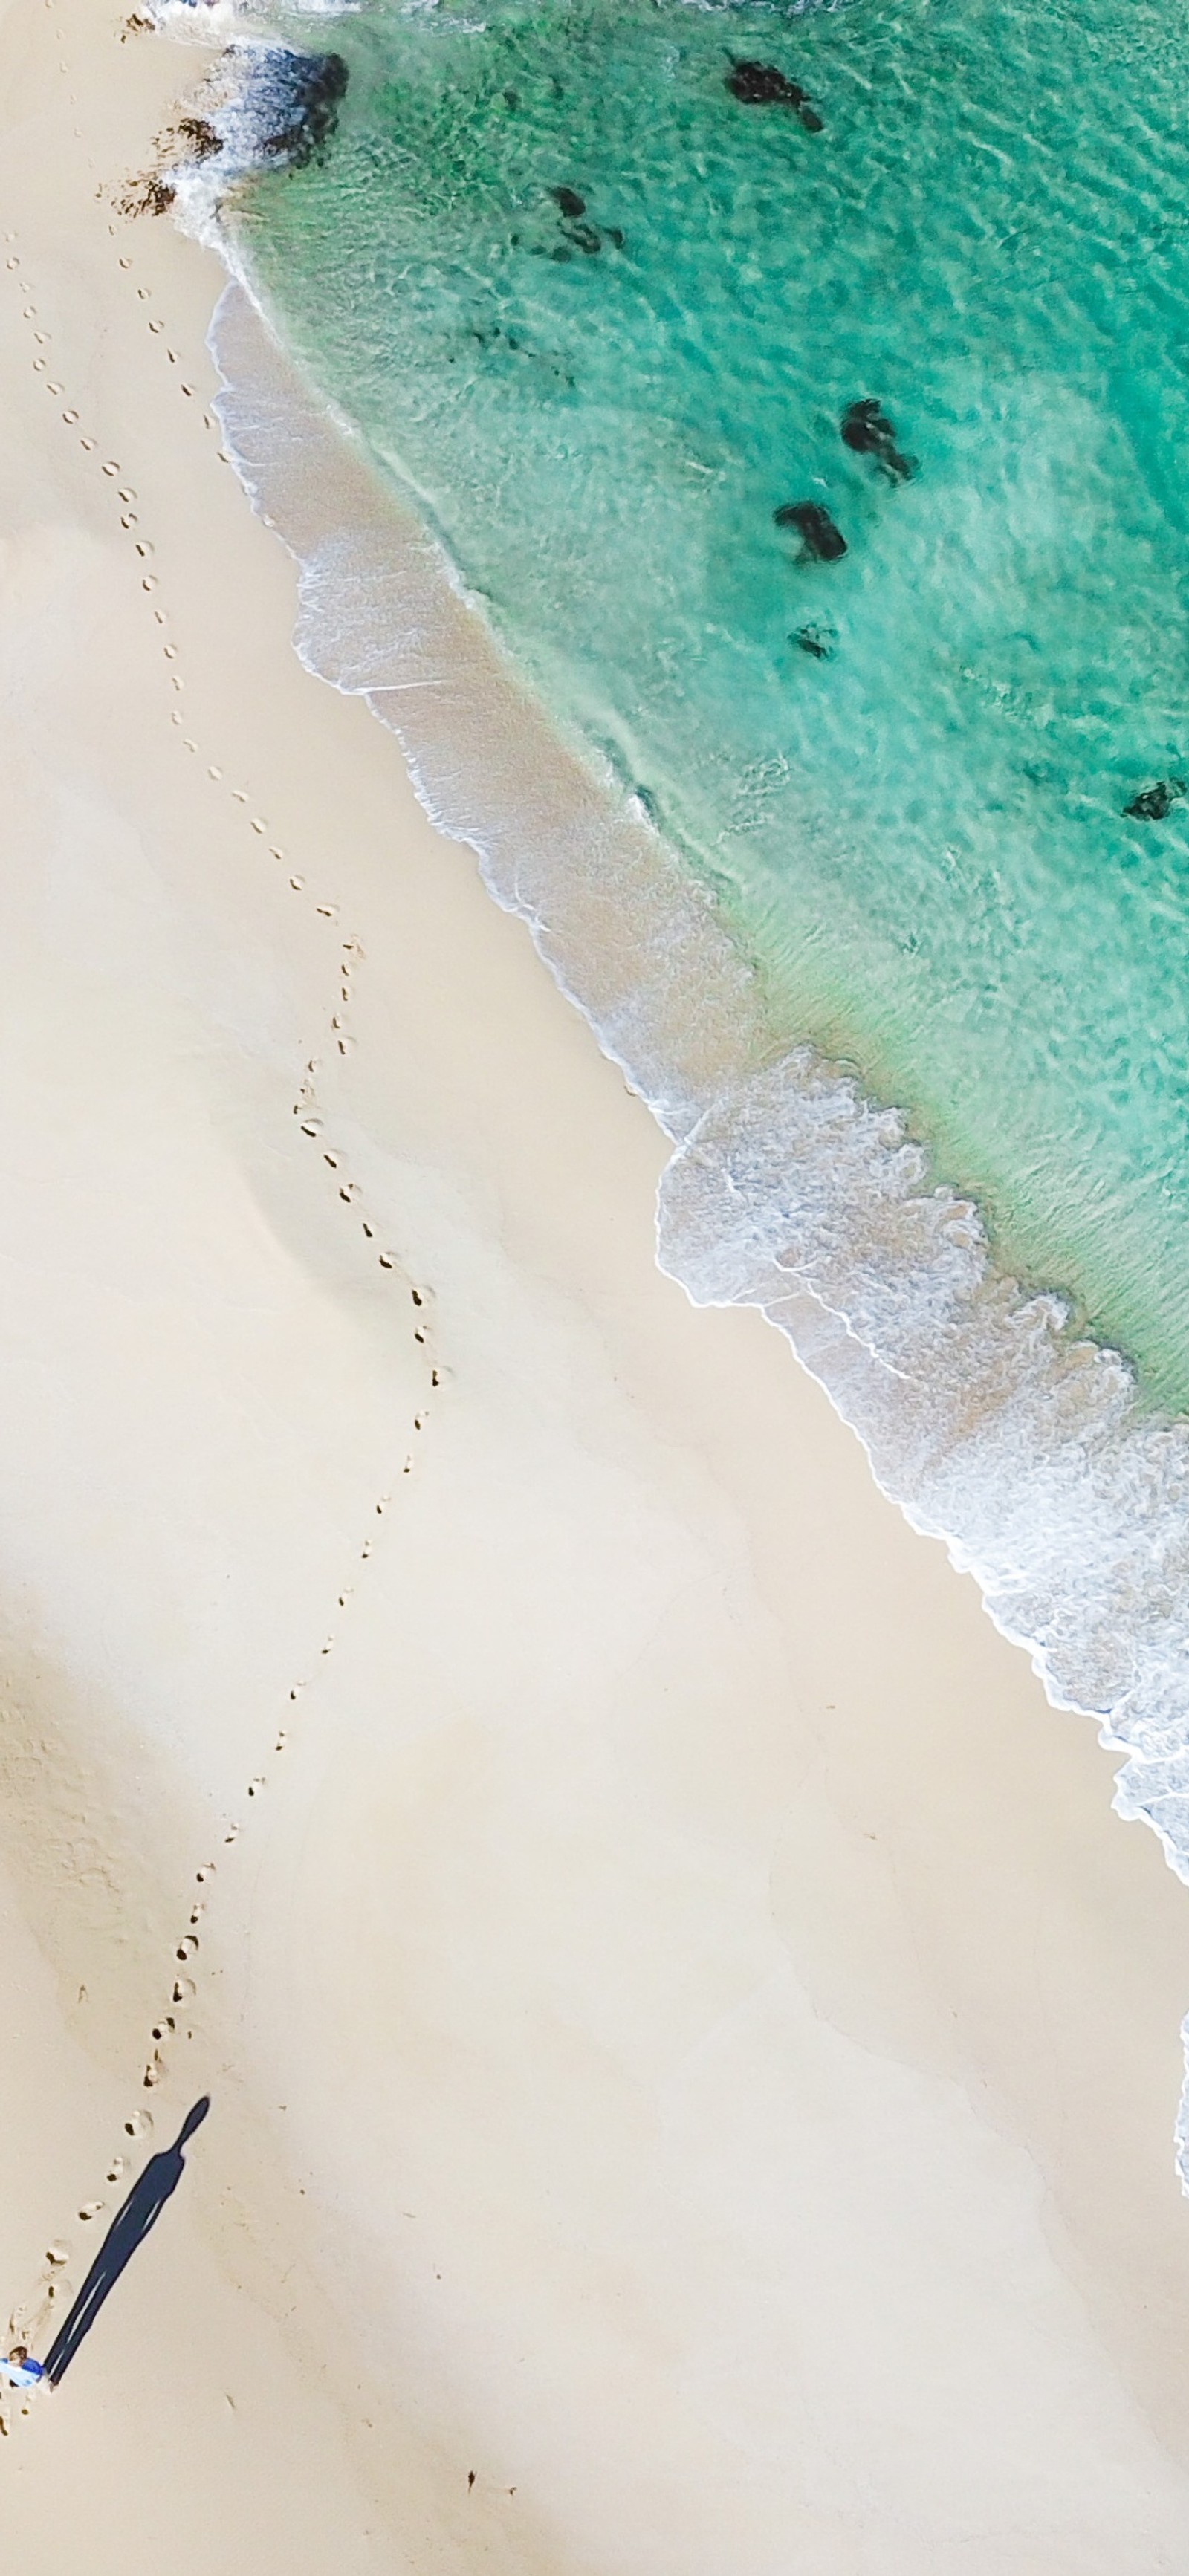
pixel 139 2124
pixel 188 1944
pixel 184 1990
pixel 91 2209
pixel 116 2169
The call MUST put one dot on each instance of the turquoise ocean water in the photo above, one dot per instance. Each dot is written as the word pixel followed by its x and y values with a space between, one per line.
pixel 599 319
pixel 921 835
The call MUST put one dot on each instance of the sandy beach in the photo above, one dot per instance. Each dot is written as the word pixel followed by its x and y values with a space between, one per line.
pixel 692 2055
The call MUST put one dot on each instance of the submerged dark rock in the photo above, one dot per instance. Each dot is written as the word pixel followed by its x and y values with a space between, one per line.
pixel 1152 803
pixel 821 541
pixel 314 86
pixel 570 203
pixel 585 238
pixel 763 85
pixel 818 641
pixel 866 429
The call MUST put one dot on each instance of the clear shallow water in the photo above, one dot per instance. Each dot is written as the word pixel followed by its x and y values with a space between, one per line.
pixel 918 836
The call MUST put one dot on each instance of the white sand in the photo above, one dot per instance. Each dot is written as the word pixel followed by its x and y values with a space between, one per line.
pixel 688 2041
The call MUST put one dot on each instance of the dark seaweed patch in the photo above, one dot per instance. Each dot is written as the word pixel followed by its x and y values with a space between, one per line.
pixel 1153 803
pixel 153 194
pixel 763 85
pixel 821 541
pixel 867 431
pixel 817 641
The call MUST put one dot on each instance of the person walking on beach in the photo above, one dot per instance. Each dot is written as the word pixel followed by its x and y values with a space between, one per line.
pixel 19 2372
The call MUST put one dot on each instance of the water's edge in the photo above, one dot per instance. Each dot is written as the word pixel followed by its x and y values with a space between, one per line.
pixel 1027 1451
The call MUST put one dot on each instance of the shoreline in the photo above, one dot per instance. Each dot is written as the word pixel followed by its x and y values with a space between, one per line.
pixel 672 1890
pixel 1031 1450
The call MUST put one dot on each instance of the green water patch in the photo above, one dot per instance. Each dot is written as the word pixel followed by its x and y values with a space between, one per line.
pixel 605 306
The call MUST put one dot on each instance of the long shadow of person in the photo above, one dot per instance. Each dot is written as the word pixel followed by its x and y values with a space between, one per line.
pixel 128 2229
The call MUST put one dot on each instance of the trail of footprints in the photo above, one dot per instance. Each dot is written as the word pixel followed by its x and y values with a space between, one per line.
pixel 54 2291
